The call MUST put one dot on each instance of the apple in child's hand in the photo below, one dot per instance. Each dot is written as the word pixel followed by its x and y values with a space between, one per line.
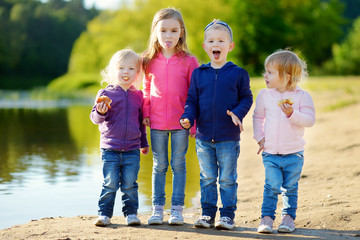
pixel 106 100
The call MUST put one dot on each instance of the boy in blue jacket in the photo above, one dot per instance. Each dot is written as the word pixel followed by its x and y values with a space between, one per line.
pixel 219 97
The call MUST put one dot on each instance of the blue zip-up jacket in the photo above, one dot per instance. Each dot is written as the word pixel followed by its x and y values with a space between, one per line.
pixel 212 92
pixel 121 127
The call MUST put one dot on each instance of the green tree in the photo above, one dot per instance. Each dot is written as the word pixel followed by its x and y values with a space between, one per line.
pixel 37 38
pixel 346 56
pixel 307 26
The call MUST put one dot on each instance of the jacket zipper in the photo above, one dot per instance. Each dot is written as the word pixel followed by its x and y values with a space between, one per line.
pixel 213 105
pixel 166 91
pixel 126 118
pixel 278 127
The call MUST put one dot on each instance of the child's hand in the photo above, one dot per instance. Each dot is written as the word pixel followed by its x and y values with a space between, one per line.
pixel 235 120
pixel 261 145
pixel 146 121
pixel 144 150
pixel 287 109
pixel 192 135
pixel 102 108
pixel 185 123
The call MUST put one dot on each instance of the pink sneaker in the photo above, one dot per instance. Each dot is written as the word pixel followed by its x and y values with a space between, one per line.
pixel 287 224
pixel 266 225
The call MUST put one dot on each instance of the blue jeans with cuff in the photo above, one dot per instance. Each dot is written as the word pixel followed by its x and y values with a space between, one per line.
pixel 159 146
pixel 120 170
pixel 282 174
pixel 218 159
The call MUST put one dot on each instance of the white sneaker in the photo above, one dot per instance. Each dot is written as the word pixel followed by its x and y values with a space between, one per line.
pixel 102 221
pixel 176 217
pixel 157 215
pixel 133 220
pixel 266 225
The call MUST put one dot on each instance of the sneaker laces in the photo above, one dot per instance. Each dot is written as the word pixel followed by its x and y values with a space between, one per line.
pixel 206 218
pixel 132 217
pixel 176 213
pixel 225 219
pixel 287 221
pixel 157 213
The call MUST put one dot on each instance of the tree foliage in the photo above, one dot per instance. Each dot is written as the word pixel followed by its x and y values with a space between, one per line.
pixel 260 27
pixel 346 56
pixel 37 38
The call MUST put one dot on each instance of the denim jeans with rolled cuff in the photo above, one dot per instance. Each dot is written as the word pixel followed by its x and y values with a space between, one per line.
pixel 282 174
pixel 218 159
pixel 120 170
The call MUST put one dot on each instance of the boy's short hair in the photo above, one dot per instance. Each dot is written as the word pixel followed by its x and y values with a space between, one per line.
pixel 217 24
pixel 287 62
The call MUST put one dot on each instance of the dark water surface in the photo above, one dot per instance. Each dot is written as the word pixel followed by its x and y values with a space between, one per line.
pixel 50 166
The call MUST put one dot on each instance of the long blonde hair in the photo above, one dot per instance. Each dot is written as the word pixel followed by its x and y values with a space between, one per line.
pixel 108 73
pixel 287 62
pixel 154 47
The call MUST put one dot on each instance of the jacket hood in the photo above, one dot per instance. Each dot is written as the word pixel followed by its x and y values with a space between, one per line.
pixel 225 67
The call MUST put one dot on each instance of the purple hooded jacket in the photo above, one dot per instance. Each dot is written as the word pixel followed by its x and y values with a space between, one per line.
pixel 121 127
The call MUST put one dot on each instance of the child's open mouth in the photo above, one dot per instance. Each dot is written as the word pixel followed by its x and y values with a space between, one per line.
pixel 126 78
pixel 216 54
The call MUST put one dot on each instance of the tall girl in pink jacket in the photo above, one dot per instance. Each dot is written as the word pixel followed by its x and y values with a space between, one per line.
pixel 168 68
pixel 279 130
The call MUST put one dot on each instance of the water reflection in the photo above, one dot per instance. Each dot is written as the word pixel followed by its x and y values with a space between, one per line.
pixel 49 164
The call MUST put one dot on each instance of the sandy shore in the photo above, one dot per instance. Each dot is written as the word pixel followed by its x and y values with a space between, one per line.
pixel 329 194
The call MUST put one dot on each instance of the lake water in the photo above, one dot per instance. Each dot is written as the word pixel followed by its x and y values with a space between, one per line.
pixel 50 165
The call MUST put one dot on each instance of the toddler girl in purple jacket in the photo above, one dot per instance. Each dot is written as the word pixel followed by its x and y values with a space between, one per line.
pixel 122 135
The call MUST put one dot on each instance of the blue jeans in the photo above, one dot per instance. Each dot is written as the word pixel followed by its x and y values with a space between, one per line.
pixel 179 146
pixel 120 169
pixel 218 159
pixel 282 174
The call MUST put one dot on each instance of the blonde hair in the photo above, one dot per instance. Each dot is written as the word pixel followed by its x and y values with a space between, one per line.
pixel 154 47
pixel 217 24
pixel 287 62
pixel 108 73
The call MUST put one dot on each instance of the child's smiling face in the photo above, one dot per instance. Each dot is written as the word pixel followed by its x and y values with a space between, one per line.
pixel 127 72
pixel 217 45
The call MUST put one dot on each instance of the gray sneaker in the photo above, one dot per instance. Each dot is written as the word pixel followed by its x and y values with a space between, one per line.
pixel 176 217
pixel 133 220
pixel 102 221
pixel 157 215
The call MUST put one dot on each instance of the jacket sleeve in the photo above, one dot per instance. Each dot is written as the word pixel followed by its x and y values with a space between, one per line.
pixel 259 117
pixel 305 116
pixel 194 64
pixel 245 96
pixel 143 139
pixel 95 116
pixel 146 91
pixel 192 101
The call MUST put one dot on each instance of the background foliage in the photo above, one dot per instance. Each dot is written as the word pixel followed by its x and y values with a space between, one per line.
pixel 36 39
pixel 41 41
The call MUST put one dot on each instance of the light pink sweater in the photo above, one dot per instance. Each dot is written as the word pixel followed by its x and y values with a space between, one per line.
pixel 166 89
pixel 282 135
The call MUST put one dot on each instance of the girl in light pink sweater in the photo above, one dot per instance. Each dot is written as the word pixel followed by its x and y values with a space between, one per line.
pixel 282 112
pixel 168 68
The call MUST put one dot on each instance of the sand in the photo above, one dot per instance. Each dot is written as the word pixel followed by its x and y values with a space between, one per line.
pixel 329 194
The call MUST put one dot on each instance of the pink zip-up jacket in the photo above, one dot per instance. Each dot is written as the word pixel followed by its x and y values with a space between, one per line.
pixel 282 135
pixel 166 89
